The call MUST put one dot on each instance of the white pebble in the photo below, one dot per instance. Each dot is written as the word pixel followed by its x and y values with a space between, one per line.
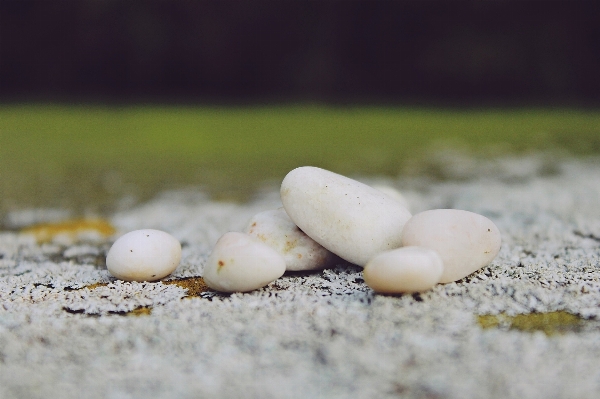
pixel 464 240
pixel 143 255
pixel 351 219
pixel 393 194
pixel 276 229
pixel 404 270
pixel 240 263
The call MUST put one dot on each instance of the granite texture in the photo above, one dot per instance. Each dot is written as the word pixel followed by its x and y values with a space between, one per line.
pixel 67 329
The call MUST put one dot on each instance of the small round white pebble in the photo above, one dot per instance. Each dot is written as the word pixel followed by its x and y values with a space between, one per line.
pixel 240 263
pixel 276 229
pixel 144 255
pixel 404 270
pixel 465 241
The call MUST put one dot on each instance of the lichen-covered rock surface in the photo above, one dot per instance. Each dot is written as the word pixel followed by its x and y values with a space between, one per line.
pixel 69 330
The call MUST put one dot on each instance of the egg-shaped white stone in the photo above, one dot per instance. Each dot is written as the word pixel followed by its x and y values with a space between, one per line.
pixel 404 270
pixel 349 218
pixel 240 263
pixel 143 255
pixel 276 229
pixel 465 241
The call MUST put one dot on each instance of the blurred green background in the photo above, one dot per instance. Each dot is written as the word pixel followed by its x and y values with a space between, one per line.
pixel 104 100
pixel 83 156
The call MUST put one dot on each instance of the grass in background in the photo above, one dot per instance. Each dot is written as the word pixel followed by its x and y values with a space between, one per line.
pixel 79 156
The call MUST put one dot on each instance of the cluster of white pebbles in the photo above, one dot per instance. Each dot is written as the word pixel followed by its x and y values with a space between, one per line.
pixel 326 216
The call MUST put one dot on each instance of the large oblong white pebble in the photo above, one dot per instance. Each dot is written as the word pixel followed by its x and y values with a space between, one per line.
pixel 276 229
pixel 404 270
pixel 143 255
pixel 465 241
pixel 240 263
pixel 351 219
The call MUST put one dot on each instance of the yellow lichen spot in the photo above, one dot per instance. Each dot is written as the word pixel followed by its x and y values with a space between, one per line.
pixel 550 323
pixel 194 285
pixel 94 286
pixel 143 311
pixel 489 321
pixel 71 230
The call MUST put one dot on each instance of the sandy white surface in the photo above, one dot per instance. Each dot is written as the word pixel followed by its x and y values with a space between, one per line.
pixel 322 334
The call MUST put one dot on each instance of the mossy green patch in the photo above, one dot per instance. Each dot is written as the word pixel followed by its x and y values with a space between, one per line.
pixel 550 323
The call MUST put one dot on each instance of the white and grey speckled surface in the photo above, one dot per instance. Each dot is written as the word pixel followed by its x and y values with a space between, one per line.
pixel 322 334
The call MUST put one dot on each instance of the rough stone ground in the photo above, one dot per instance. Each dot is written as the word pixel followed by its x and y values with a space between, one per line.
pixel 322 334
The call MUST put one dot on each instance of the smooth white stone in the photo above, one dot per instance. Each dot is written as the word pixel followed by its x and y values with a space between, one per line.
pixel 143 255
pixel 240 263
pixel 351 219
pixel 464 240
pixel 393 194
pixel 404 270
pixel 276 229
